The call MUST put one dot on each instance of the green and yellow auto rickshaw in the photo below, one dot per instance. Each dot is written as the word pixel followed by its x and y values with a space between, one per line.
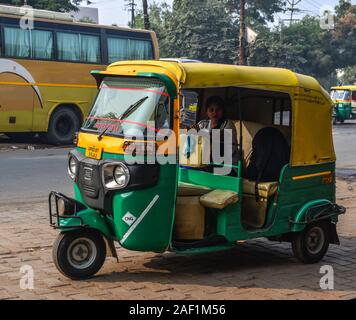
pixel 133 184
pixel 344 99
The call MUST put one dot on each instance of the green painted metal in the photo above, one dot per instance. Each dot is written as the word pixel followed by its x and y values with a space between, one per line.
pixel 171 87
pixel 91 218
pixel 344 111
pixel 223 247
pixel 155 228
pixel 300 216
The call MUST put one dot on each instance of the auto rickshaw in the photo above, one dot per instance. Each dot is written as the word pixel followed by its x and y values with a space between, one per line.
pixel 344 99
pixel 156 198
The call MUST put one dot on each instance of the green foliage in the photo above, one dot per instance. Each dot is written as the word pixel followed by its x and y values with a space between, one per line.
pixel 306 48
pixel 348 76
pixel 53 5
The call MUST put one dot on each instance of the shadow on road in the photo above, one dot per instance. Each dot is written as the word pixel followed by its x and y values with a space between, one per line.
pixel 256 264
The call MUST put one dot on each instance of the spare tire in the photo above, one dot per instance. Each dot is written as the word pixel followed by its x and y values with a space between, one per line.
pixel 63 125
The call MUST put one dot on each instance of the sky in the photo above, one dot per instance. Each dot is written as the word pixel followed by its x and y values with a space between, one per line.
pixel 114 11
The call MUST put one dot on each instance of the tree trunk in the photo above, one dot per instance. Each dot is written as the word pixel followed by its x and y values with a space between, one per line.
pixel 146 18
pixel 242 58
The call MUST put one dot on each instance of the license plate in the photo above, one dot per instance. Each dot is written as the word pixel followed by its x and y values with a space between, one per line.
pixel 94 152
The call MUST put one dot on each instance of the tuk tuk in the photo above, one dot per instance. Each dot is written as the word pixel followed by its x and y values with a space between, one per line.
pixel 135 184
pixel 344 99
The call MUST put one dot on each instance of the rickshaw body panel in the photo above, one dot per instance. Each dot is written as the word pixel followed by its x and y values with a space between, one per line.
pixel 308 179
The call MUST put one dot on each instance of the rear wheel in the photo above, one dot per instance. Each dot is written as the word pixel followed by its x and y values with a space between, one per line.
pixel 79 254
pixel 311 245
pixel 63 126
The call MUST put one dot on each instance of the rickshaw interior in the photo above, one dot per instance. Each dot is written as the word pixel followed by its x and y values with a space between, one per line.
pixel 204 200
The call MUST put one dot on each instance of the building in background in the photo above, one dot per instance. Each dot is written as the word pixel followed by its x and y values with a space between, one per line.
pixel 86 14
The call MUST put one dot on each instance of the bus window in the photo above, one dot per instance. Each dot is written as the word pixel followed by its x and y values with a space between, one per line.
pixel 118 49
pixel 128 49
pixel 17 42
pixel 78 47
pixel 25 43
pixel 42 44
pixel 140 50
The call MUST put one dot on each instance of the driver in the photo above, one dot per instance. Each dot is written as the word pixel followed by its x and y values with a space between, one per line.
pixel 217 120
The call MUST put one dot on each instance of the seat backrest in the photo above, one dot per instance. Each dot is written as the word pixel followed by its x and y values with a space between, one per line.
pixel 249 130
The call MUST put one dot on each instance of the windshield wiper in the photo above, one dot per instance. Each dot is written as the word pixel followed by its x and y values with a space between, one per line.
pixel 132 108
pixel 100 137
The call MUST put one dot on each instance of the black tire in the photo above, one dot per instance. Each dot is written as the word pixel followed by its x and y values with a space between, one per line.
pixel 63 125
pixel 311 245
pixel 71 263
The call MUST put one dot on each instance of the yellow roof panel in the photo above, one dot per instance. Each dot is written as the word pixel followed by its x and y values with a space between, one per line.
pixel 344 88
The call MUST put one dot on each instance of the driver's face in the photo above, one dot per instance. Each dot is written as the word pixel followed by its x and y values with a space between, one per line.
pixel 215 112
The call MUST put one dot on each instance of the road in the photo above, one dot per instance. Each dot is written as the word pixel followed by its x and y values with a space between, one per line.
pixel 31 174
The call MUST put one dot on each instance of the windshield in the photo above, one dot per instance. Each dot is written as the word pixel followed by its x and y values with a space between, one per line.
pixel 130 107
pixel 341 95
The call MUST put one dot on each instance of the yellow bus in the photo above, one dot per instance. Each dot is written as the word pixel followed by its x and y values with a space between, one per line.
pixel 45 81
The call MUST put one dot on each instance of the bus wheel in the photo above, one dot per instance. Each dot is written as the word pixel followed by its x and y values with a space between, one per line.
pixel 311 245
pixel 62 127
pixel 79 254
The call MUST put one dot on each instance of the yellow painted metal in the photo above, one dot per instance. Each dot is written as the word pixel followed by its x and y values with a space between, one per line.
pixel 312 141
pixel 309 176
pixel 352 88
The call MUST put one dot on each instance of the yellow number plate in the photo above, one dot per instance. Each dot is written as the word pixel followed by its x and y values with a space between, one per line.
pixel 94 152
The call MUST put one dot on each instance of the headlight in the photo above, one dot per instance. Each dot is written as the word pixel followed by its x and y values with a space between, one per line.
pixel 116 176
pixel 65 207
pixel 72 167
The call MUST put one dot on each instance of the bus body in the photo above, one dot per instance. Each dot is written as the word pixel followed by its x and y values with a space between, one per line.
pixel 45 81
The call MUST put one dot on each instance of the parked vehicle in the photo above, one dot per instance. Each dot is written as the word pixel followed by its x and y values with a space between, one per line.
pixel 161 204
pixel 344 103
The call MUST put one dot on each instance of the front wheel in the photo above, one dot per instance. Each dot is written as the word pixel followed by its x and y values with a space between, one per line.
pixel 79 254
pixel 311 245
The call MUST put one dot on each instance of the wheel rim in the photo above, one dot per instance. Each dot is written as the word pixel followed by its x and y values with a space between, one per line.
pixel 81 253
pixel 315 239
pixel 64 126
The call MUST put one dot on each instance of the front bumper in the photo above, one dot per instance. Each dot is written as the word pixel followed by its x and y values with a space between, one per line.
pixel 57 220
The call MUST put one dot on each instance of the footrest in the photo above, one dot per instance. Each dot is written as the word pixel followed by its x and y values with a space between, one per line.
pixel 219 199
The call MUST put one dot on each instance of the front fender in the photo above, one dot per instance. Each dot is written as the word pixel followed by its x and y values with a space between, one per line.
pixel 315 210
pixel 90 219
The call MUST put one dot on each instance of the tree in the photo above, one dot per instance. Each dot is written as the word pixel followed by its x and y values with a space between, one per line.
pixel 200 29
pixel 305 48
pixel 348 75
pixel 87 20
pixel 53 5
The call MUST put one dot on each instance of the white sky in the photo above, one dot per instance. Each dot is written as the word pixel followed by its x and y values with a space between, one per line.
pixel 114 12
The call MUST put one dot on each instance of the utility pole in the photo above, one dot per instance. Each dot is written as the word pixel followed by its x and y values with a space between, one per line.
pixel 242 58
pixel 131 4
pixel 292 9
pixel 146 17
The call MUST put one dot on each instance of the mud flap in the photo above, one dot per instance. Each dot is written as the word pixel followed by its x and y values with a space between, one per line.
pixel 334 238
